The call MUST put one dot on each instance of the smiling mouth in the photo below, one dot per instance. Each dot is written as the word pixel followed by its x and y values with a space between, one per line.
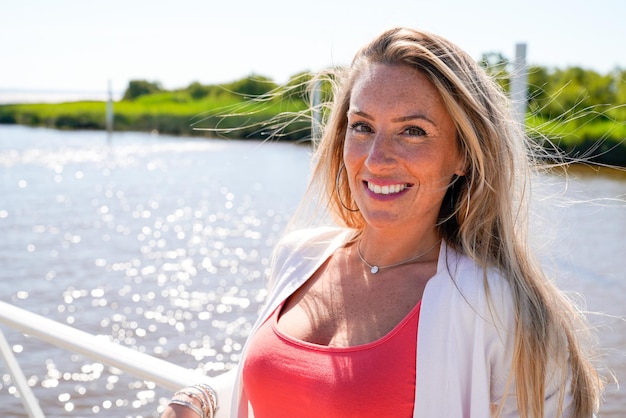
pixel 388 189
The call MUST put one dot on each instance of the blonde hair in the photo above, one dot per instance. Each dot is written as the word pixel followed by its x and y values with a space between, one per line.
pixel 484 213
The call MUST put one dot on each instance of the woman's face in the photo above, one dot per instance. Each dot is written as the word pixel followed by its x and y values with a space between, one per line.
pixel 400 150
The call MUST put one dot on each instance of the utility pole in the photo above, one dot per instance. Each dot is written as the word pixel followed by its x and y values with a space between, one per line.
pixel 109 111
pixel 519 85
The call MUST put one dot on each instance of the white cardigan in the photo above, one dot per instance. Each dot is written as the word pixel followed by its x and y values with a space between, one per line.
pixel 464 344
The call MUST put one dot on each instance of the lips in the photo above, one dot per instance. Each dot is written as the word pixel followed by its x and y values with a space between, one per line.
pixel 387 189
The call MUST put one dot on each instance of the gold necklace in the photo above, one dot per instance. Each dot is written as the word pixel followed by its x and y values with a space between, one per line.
pixel 375 269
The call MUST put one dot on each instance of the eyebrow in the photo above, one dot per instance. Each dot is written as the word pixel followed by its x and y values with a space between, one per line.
pixel 396 120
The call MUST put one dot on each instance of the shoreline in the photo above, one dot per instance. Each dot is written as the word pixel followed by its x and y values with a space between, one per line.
pixel 598 141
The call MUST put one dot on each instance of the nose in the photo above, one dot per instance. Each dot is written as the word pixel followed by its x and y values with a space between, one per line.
pixel 381 153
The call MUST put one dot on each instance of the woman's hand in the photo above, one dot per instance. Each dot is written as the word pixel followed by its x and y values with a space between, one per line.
pixel 180 411
pixel 197 401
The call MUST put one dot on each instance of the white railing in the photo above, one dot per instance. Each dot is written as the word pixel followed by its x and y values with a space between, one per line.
pixel 141 365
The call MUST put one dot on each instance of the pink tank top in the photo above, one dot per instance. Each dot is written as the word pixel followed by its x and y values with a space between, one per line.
pixel 286 377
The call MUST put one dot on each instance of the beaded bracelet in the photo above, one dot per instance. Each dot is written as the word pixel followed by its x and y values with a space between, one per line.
pixel 212 396
pixel 204 402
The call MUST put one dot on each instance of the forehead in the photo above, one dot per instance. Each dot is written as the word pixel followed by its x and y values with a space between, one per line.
pixel 390 87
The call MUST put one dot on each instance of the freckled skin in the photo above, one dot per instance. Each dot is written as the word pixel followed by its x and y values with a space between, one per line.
pixel 399 132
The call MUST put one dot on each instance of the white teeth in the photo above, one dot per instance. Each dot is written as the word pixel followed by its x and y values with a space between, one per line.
pixel 394 188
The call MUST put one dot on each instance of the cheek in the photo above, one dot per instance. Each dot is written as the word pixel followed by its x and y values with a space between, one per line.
pixel 349 163
pixel 353 154
pixel 447 159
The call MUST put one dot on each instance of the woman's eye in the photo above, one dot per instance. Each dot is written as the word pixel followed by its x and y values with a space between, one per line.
pixel 361 127
pixel 415 131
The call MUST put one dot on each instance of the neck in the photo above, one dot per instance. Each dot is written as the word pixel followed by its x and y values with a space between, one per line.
pixel 381 248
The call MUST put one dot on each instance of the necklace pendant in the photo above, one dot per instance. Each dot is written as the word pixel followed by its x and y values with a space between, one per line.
pixel 374 269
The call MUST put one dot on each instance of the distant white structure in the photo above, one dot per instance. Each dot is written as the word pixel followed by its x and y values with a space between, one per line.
pixel 109 110
pixel 316 120
pixel 519 85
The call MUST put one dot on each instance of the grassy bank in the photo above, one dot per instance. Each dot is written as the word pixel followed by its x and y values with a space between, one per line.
pixel 594 139
pixel 175 113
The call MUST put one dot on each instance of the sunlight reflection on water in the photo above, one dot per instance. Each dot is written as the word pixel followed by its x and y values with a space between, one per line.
pixel 160 244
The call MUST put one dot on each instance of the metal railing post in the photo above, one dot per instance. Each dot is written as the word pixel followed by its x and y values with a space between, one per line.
pixel 31 405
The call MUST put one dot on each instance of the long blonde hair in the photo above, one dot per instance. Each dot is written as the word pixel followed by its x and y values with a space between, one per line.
pixel 484 213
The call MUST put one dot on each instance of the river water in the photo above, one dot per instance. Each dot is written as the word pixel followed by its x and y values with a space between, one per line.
pixel 161 244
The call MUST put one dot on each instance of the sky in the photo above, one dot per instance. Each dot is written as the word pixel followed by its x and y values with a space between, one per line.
pixel 81 46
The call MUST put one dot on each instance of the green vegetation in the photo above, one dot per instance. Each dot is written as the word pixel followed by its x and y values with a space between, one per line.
pixel 581 112
pixel 138 88
pixel 246 108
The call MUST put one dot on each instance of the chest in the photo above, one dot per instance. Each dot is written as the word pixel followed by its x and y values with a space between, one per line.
pixel 337 309
pixel 286 377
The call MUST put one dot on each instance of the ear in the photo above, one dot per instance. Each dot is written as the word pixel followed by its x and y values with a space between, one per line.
pixel 462 167
pixel 463 157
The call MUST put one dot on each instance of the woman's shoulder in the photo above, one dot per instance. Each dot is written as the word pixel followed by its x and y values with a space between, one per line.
pixel 311 240
pixel 305 249
pixel 307 235
pixel 485 291
pixel 465 274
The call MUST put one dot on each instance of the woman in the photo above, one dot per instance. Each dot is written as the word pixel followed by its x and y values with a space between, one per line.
pixel 425 300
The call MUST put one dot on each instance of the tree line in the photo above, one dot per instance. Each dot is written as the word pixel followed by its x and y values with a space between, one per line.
pixel 553 93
